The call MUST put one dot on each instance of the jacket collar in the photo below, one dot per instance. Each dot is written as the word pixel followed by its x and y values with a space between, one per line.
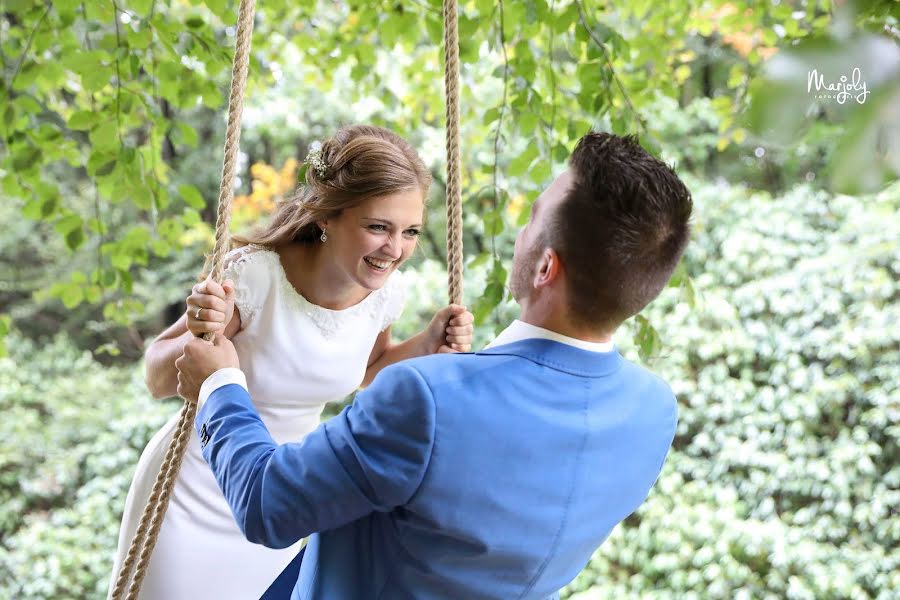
pixel 561 357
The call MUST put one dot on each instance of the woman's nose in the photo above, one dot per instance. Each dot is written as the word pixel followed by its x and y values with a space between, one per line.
pixel 393 248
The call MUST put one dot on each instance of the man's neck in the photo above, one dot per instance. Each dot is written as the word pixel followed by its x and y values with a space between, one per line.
pixel 556 322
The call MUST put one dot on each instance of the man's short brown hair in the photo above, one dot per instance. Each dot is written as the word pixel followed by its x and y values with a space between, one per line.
pixel 620 230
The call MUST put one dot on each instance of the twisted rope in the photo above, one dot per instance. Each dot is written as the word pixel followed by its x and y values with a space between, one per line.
pixel 145 537
pixel 454 199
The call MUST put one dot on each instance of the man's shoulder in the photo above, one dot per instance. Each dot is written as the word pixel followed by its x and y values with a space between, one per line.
pixel 647 384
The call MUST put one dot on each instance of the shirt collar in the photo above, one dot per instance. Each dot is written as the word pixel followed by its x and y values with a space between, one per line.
pixel 520 330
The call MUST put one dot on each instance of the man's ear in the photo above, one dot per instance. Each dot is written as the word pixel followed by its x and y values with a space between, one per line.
pixel 549 268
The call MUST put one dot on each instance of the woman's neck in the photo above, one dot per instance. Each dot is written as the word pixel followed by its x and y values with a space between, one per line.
pixel 317 278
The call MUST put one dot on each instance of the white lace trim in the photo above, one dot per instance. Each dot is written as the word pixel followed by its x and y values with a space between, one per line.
pixel 387 302
pixel 236 262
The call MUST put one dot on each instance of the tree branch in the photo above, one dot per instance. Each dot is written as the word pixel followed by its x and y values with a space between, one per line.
pixel 602 46
pixel 28 46
pixel 499 123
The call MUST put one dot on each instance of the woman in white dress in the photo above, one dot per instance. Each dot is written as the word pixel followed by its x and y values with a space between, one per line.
pixel 315 293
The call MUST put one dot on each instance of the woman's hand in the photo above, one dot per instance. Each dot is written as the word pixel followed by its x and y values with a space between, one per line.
pixel 450 330
pixel 210 307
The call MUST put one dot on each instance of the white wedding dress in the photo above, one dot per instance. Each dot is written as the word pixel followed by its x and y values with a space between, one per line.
pixel 297 357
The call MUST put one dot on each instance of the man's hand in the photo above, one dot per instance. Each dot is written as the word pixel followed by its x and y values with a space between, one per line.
pixel 200 360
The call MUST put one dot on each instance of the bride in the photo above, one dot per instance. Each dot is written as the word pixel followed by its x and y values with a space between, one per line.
pixel 315 293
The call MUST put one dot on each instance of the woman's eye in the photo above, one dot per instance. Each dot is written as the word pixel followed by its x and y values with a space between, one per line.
pixel 412 232
pixel 377 227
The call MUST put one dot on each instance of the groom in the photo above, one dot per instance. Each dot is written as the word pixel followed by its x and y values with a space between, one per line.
pixel 487 475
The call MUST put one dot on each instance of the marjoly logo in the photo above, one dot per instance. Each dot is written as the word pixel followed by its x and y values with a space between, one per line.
pixel 842 90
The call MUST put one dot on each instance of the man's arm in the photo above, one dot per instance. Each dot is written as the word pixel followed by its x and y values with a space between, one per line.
pixel 371 457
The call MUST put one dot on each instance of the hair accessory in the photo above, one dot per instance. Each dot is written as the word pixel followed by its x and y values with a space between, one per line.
pixel 314 159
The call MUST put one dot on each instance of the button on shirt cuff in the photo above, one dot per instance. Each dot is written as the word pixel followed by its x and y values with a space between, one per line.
pixel 221 378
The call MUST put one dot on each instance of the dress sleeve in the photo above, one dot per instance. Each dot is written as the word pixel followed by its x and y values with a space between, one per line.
pixel 246 267
pixel 396 291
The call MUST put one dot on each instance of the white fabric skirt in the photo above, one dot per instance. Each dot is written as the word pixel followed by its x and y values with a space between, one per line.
pixel 200 549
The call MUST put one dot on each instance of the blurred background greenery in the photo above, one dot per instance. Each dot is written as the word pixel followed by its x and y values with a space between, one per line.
pixel 778 332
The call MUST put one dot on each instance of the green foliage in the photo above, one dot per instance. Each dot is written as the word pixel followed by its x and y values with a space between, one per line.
pixel 851 76
pixel 778 331
pixel 784 472
pixel 70 437
pixel 112 128
pixel 784 476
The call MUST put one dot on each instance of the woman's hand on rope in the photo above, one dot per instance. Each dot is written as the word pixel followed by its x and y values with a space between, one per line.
pixel 210 307
pixel 450 330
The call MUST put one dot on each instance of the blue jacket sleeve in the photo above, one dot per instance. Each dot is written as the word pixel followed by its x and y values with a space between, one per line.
pixel 371 457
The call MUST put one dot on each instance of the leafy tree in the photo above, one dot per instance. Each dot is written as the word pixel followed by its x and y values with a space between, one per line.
pixel 111 110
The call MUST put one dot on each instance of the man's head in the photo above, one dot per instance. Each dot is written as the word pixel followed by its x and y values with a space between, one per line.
pixel 614 226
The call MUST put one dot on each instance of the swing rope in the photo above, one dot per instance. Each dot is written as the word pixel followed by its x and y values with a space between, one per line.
pixel 147 532
pixel 134 567
pixel 454 201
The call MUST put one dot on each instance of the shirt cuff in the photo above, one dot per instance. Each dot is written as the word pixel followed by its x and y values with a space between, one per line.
pixel 221 378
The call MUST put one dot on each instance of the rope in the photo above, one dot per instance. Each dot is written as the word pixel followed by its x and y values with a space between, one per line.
pixel 454 200
pixel 151 520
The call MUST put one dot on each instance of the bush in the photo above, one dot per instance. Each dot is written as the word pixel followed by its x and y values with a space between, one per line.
pixel 784 478
pixel 70 438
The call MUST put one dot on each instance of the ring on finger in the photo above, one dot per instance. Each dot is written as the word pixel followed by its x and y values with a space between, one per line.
pixel 197 313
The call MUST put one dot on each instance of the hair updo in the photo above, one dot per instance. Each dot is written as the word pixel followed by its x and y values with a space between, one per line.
pixel 361 162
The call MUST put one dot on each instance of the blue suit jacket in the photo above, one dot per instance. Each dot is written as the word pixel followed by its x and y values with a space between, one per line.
pixel 488 475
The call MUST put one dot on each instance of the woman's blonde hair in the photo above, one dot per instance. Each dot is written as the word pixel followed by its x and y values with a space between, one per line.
pixel 361 162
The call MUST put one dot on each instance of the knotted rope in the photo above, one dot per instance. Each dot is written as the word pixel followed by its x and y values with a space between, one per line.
pixel 147 532
pixel 454 200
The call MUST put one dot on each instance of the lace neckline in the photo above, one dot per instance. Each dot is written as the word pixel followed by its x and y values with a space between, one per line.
pixel 328 320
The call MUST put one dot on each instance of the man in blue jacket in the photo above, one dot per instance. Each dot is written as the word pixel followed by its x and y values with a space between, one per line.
pixel 488 475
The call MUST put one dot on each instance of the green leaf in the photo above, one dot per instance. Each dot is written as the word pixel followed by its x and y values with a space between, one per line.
pixel 93 294
pixel 188 134
pixel 121 260
pixel 105 136
pixel 32 209
pixel 96 79
pixel 647 339
pixel 71 295
pixel 98 160
pixel 192 197
pixel 521 163
pixel 49 205
pixel 106 168
pixel 26 158
pixel 190 217
pixel 479 260
pixel 68 223
pixel 493 223
pixel 489 300
pixel 75 238
pixel 541 171
pixel 141 7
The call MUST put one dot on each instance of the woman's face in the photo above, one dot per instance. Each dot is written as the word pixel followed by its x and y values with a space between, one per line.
pixel 369 241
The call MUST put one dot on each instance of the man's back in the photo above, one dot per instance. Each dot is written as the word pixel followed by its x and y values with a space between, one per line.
pixel 516 464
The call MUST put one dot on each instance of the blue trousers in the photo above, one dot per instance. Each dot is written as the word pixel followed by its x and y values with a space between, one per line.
pixel 283 585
